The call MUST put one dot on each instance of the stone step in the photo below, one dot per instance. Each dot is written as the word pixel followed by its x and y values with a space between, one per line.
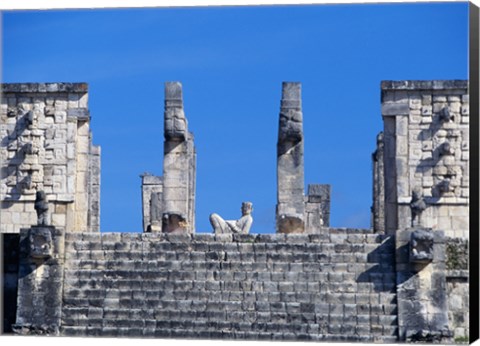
pixel 171 252
pixel 152 294
pixel 204 242
pixel 212 246
pixel 221 259
pixel 225 251
pixel 119 268
pixel 389 335
pixel 203 325
pixel 312 252
pixel 360 313
pixel 147 300
pixel 209 289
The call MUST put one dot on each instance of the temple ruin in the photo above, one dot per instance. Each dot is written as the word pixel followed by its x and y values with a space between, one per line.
pixel 405 279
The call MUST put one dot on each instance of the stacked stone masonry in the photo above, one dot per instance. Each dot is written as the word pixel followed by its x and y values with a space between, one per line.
pixel 46 145
pixel 336 286
pixel 426 146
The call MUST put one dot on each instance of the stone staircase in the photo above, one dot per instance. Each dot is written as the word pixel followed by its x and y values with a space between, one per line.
pixel 337 285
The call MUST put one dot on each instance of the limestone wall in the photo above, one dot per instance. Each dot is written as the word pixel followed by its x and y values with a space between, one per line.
pixel 426 146
pixel 46 145
pixel 335 285
pixel 458 304
pixel 457 254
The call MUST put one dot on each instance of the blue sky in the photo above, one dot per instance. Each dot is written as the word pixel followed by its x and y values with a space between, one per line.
pixel 231 62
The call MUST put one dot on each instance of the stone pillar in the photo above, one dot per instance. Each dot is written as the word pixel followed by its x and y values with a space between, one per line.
pixel 94 189
pixel 290 174
pixel 378 207
pixel 178 165
pixel 82 162
pixel 421 286
pixel 192 174
pixel 317 207
pixel 152 202
pixel 40 281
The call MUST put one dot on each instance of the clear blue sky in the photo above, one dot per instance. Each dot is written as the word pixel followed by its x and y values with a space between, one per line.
pixel 231 62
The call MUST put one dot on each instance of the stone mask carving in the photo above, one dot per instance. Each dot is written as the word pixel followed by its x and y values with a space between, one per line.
pixel 41 244
pixel 421 246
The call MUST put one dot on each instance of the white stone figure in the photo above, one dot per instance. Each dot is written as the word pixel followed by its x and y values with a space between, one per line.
pixel 241 225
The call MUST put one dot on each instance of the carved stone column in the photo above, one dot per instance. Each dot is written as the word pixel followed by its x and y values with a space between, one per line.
pixel 378 207
pixel 178 165
pixel 290 168
pixel 40 281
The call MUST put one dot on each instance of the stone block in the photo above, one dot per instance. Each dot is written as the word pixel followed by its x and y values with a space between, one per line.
pixel 394 108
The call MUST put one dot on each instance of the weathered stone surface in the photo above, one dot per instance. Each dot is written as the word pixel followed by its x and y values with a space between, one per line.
pixel 175 123
pixel 423 152
pixel 40 281
pixel 290 171
pixel 317 207
pixel 424 85
pixel 43 87
pixel 79 113
pixel 392 108
pixel 421 287
pixel 426 154
pixel 457 251
pixel 152 202
pixel 169 201
pixel 291 122
pixel 421 246
pixel 378 207
pixel 49 149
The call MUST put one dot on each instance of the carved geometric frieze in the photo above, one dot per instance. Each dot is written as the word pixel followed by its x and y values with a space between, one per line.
pixel 48 175
pixel 438 165
pixel 40 136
